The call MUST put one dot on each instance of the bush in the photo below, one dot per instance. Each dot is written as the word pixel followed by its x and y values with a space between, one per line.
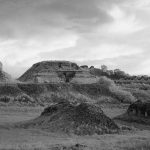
pixel 104 81
pixel 5 99
pixel 70 96
pixel 11 90
pixel 123 96
pixel 142 95
pixel 115 91
pixel 24 98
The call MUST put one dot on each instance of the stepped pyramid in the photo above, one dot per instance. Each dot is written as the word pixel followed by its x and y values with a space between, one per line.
pixel 50 72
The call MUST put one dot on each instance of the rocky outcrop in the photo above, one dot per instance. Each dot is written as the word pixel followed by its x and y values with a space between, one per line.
pixel 55 72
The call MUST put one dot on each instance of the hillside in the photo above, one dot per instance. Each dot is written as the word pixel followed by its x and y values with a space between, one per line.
pixel 45 82
pixel 104 91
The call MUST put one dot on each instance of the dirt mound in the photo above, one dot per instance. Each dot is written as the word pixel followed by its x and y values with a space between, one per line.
pixel 80 119
pixel 137 112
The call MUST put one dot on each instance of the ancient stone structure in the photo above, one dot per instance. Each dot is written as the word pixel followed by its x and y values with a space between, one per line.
pixel 55 72
pixel 139 108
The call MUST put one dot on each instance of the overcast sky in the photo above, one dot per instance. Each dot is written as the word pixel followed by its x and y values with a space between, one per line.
pixel 92 32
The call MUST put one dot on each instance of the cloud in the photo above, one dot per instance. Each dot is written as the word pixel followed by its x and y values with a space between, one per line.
pixel 123 23
pixel 115 32
pixel 33 17
pixel 91 51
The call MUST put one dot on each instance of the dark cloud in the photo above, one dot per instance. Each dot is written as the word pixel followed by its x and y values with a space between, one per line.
pixel 20 17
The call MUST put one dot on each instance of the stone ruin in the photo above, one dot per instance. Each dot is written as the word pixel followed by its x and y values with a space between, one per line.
pixel 55 72
pixel 139 108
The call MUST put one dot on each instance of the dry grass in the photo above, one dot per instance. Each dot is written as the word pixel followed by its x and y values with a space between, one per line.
pixel 145 145
pixel 37 139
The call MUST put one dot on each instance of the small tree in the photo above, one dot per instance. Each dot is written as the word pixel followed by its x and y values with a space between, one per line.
pixel 104 68
pixel 119 74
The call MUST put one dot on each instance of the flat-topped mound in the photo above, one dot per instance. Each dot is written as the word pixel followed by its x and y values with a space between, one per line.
pixel 53 72
pixel 80 119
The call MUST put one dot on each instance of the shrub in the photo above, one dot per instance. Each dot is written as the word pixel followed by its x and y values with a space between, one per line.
pixel 115 91
pixel 5 99
pixel 24 98
pixel 69 96
pixel 142 95
pixel 104 81
pixel 11 90
pixel 123 96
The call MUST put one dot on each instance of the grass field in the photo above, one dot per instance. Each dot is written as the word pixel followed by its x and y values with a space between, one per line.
pixel 37 139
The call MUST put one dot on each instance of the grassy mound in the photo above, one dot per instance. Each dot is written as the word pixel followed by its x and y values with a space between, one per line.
pixel 80 119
